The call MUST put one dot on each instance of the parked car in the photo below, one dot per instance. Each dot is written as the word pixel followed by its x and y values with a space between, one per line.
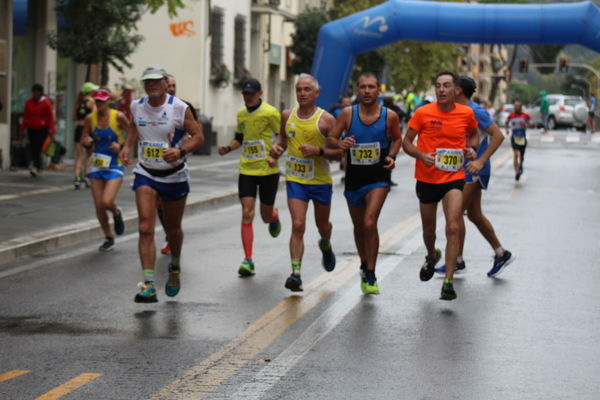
pixel 503 114
pixel 565 110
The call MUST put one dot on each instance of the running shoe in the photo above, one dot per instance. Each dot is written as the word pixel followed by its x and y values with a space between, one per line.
pixel 460 267
pixel 86 182
pixel 173 283
pixel 448 292
pixel 77 182
pixel 369 286
pixel 294 283
pixel 247 268
pixel 33 172
pixel 147 293
pixel 166 249
pixel 328 260
pixel 119 224
pixel 500 262
pixel 428 268
pixel 275 228
pixel 518 174
pixel 108 245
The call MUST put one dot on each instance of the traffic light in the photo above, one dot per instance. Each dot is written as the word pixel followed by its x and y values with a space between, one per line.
pixel 523 65
pixel 507 75
pixel 563 64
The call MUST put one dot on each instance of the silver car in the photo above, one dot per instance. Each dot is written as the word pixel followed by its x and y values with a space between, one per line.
pixel 564 110
pixel 504 113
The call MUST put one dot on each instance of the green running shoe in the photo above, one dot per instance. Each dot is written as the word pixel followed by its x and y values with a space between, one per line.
pixel 147 293
pixel 275 228
pixel 328 260
pixel 173 283
pixel 108 245
pixel 448 292
pixel 119 224
pixel 369 286
pixel 247 268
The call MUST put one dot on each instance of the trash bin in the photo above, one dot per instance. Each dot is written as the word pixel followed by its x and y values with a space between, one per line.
pixel 206 122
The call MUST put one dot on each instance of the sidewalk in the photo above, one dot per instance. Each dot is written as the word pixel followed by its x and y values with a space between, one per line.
pixel 46 213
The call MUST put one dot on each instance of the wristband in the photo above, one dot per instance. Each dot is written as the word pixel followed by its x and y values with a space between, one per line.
pixel 182 153
pixel 393 157
pixel 321 151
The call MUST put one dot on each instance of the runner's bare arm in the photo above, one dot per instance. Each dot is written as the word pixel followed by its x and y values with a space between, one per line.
pixel 281 141
pixel 326 124
pixel 409 147
pixel 86 138
pixel 342 125
pixel 124 126
pixel 130 141
pixel 472 144
pixel 393 127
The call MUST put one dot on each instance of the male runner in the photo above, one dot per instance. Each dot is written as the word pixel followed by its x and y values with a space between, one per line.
pixel 257 125
pixel 445 129
pixel 159 123
pixel 172 90
pixel 372 140
pixel 477 177
pixel 303 132
pixel 518 121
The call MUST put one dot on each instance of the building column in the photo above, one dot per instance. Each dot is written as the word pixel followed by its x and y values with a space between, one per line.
pixel 5 89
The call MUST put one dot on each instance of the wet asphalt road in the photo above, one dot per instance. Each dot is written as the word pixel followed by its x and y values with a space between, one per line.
pixel 532 333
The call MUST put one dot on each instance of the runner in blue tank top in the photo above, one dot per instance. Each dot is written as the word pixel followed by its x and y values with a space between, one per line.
pixel 371 156
pixel 477 176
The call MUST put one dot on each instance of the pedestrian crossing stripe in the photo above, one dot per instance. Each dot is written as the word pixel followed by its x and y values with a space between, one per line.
pixel 547 139
pixel 596 139
pixel 573 139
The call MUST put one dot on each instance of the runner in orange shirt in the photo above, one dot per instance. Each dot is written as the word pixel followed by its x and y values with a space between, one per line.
pixel 447 135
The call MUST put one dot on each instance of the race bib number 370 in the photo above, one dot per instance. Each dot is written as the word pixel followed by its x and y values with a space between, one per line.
pixel 450 160
pixel 365 154
pixel 153 152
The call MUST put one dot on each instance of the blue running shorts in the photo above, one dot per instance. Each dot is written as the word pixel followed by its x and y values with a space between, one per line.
pixel 319 193
pixel 357 198
pixel 106 174
pixel 166 191
pixel 483 180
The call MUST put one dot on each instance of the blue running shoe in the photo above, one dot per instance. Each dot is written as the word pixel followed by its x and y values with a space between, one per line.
pixel 500 262
pixel 173 283
pixel 119 224
pixel 147 293
pixel 108 245
pixel 460 267
pixel 328 260
pixel 294 283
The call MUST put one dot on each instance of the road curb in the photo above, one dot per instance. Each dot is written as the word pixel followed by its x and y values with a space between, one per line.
pixel 43 242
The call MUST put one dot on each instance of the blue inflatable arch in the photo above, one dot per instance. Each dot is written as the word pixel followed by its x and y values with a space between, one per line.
pixel 341 40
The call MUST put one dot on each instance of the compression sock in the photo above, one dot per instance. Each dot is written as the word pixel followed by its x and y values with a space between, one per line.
pixel 296 265
pixel 247 239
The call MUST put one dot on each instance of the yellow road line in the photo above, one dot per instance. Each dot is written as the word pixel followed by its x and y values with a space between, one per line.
pixel 205 377
pixel 68 387
pixel 13 374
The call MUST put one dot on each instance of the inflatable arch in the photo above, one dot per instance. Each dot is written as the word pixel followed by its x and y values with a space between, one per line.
pixel 340 41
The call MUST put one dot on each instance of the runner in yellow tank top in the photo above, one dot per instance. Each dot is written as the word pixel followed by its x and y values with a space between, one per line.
pixel 304 131
pixel 257 124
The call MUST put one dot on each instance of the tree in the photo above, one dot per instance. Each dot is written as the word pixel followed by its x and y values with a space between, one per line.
pixel 304 38
pixel 102 32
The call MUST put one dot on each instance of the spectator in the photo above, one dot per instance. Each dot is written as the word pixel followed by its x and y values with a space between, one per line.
pixel 544 110
pixel 38 119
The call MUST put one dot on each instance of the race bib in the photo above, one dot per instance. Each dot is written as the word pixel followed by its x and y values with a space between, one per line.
pixel 519 140
pixel 301 168
pixel 365 154
pixel 101 160
pixel 450 160
pixel 254 149
pixel 153 152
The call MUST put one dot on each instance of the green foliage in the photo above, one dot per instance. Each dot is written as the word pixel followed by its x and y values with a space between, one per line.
pixel 545 53
pixel 172 6
pixel 98 32
pixel 517 91
pixel 304 39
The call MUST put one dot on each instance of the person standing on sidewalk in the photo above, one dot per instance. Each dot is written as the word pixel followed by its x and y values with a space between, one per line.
pixel 160 121
pixel 447 134
pixel 591 121
pixel 257 125
pixel 477 177
pixel 83 107
pixel 304 132
pixel 371 141
pixel 103 133
pixel 544 110
pixel 38 119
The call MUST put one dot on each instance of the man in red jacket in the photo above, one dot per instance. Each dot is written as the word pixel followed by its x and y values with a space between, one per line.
pixel 38 118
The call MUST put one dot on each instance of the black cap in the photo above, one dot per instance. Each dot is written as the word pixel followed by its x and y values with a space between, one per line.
pixel 251 85
pixel 467 85
pixel 37 88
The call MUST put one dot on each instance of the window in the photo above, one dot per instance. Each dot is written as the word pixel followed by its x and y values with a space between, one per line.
pixel 239 47
pixel 216 47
